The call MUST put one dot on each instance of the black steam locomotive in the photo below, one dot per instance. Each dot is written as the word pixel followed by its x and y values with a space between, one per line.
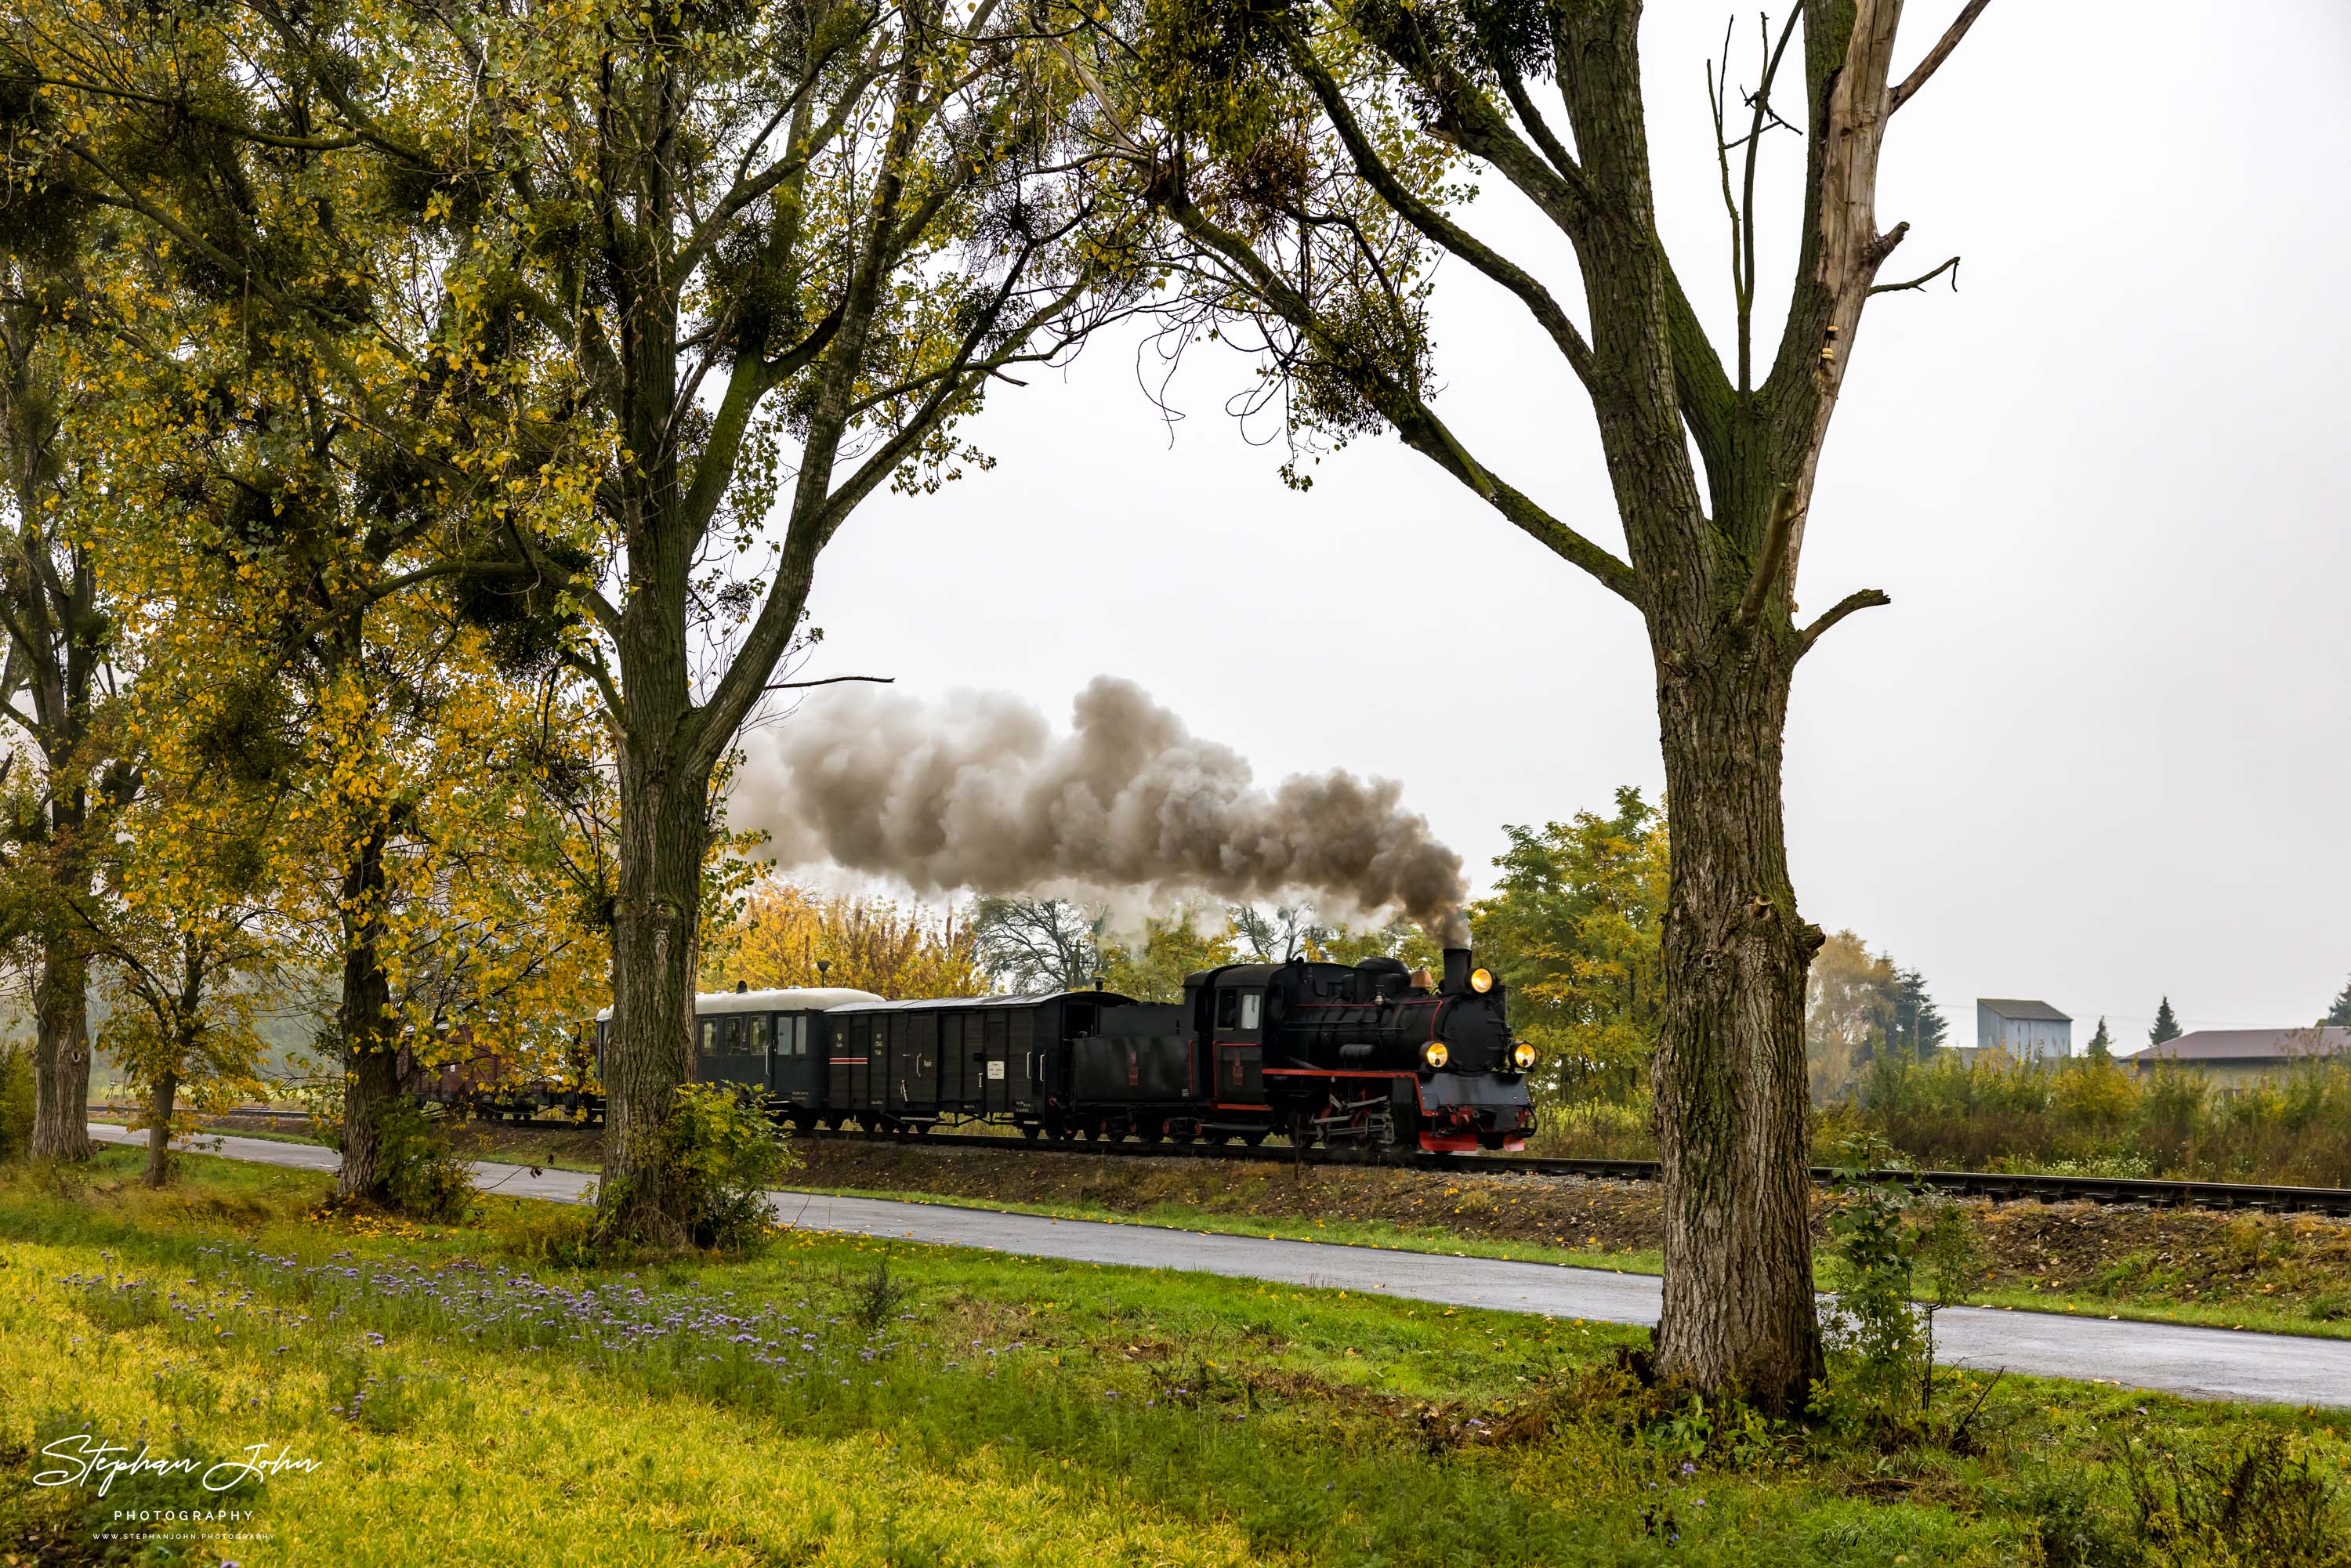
pixel 1366 1054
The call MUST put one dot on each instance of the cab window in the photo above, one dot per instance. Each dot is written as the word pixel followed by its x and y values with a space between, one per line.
pixel 1249 1002
pixel 1228 1009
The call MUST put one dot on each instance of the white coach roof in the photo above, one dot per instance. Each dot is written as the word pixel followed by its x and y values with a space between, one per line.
pixel 793 999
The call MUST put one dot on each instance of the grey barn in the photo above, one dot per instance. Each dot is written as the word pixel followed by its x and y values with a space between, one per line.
pixel 2025 1030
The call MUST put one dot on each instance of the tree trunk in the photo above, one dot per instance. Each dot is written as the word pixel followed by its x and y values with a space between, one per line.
pixel 1739 1315
pixel 159 1127
pixel 364 1022
pixel 649 1051
pixel 61 1053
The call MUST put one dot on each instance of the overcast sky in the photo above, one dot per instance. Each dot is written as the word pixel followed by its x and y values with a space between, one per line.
pixel 2098 749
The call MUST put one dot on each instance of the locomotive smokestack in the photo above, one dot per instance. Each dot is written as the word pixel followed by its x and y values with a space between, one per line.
pixel 1457 971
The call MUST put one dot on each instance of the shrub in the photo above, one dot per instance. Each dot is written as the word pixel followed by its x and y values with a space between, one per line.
pixel 2256 1504
pixel 2072 1522
pixel 2095 1116
pixel 15 1098
pixel 422 1176
pixel 721 1154
pixel 1596 1130
pixel 876 1297
pixel 1880 1356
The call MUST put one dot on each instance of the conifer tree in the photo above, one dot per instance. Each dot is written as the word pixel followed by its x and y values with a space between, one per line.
pixel 2102 1044
pixel 2166 1026
pixel 1918 1023
pixel 2340 1015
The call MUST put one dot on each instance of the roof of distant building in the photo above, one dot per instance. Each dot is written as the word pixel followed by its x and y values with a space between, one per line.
pixel 2250 1045
pixel 2036 1012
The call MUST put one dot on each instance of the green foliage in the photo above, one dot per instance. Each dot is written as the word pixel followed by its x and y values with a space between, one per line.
pixel 2255 1504
pixel 2102 1044
pixel 74 1523
pixel 2071 1521
pixel 1946 1248
pixel 1876 1335
pixel 1173 1419
pixel 1154 969
pixel 2166 1026
pixel 1399 939
pixel 15 1098
pixel 876 1296
pixel 420 1176
pixel 1918 1026
pixel 1573 928
pixel 720 1153
pixel 2091 1112
pixel 2338 1015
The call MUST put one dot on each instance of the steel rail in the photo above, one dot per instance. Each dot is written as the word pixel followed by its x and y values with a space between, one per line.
pixel 2000 1186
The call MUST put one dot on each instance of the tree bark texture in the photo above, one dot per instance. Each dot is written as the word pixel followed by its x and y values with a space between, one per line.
pixel 61 1052
pixel 159 1128
pixel 665 832
pixel 365 1026
pixel 1728 1074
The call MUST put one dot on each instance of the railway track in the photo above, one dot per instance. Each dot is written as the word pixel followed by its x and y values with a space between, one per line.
pixel 2000 1186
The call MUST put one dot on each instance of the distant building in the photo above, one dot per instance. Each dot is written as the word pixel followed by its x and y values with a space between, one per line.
pixel 2238 1057
pixel 2022 1030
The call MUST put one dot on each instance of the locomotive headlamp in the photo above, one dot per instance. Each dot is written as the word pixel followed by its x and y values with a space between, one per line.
pixel 1522 1057
pixel 1435 1054
pixel 1481 980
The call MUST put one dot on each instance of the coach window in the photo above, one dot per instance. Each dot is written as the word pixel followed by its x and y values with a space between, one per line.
pixel 757 1044
pixel 799 1035
pixel 709 1037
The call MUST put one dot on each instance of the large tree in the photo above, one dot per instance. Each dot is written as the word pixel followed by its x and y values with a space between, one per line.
pixel 58 329
pixel 762 257
pixel 1308 156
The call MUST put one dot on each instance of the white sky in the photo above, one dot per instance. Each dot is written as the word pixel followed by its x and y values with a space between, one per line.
pixel 2098 748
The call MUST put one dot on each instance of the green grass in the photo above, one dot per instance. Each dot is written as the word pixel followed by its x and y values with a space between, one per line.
pixel 1004 1411
pixel 2157 1307
pixel 1374 1233
pixel 2128 1293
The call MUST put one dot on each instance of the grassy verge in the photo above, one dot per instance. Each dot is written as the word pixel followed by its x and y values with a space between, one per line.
pixel 2256 1317
pixel 832 1401
pixel 2269 1273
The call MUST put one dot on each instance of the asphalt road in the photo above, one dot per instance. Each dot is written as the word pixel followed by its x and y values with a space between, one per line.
pixel 2201 1363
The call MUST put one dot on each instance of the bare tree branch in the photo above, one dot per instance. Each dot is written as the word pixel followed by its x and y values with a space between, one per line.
pixel 1867 599
pixel 1924 278
pixel 1935 57
pixel 827 681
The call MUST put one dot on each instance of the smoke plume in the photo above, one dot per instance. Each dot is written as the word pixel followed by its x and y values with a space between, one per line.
pixel 976 792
